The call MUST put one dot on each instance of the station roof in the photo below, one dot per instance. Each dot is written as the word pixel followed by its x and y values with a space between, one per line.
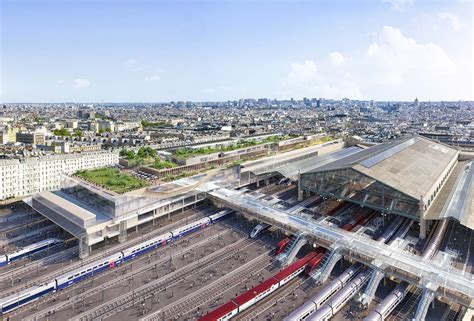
pixel 65 212
pixel 456 198
pixel 410 165
pixel 262 166
pixel 291 163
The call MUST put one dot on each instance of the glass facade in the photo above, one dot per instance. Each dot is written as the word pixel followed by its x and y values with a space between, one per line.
pixel 351 185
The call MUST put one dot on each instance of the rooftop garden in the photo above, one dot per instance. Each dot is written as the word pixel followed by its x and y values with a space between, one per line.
pixel 187 152
pixel 145 156
pixel 65 132
pixel 112 179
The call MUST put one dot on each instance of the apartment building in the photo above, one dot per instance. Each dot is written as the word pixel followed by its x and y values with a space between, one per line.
pixel 29 175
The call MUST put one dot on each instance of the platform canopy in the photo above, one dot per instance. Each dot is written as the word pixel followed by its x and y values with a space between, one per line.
pixel 400 177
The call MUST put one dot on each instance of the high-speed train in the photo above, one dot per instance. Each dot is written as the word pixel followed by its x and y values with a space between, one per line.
pixel 259 229
pixel 388 304
pixel 326 294
pixel 28 250
pixel 323 296
pixel 31 294
pixel 331 307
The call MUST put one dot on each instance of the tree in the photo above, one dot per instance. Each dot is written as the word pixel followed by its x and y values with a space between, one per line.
pixel 127 154
pixel 61 132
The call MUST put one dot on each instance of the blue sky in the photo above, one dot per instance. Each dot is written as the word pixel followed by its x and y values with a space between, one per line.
pixel 131 51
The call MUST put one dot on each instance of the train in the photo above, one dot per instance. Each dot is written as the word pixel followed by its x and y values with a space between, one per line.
pixel 258 230
pixel 323 296
pixel 28 250
pixel 282 245
pixel 240 303
pixel 33 293
pixel 383 310
pixel 389 303
pixel 249 298
pixel 331 307
pixel 317 301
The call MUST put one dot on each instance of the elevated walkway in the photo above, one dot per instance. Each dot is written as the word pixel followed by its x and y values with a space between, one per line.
pixel 405 266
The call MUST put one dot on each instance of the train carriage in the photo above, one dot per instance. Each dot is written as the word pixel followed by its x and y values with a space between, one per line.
pixel 146 246
pixel 34 292
pixel 28 250
pixel 3 260
pixel 190 228
pixel 19 299
pixel 88 270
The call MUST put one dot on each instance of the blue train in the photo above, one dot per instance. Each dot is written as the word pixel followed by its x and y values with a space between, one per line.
pixel 28 250
pixel 31 294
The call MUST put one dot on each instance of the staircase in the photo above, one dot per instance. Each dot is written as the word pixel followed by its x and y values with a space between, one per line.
pixel 371 288
pixel 422 308
pixel 322 274
pixel 292 249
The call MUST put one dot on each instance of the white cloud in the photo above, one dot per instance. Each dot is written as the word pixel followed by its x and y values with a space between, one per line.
pixel 452 19
pixel 81 83
pixel 336 58
pixel 395 59
pixel 152 78
pixel 307 80
pixel 393 66
pixel 134 65
pixel 131 61
pixel 304 73
pixel 398 4
pixel 60 82
pixel 209 90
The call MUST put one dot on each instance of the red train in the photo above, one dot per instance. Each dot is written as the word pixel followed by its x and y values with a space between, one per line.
pixel 281 246
pixel 252 296
pixel 249 298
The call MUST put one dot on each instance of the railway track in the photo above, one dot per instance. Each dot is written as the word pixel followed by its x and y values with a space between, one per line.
pixel 36 265
pixel 213 290
pixel 116 281
pixel 41 279
pixel 14 227
pixel 146 291
pixel 27 235
pixel 268 302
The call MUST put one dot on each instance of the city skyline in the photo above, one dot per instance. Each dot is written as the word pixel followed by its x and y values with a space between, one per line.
pixel 156 51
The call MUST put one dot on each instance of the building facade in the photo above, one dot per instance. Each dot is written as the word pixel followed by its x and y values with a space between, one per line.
pixel 30 138
pixel 26 176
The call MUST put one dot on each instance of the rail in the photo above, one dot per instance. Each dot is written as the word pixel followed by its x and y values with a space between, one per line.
pixel 459 288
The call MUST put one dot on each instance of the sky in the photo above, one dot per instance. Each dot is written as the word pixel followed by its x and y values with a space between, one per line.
pixel 158 51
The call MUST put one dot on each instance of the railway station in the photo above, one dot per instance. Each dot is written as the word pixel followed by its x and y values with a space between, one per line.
pixel 335 230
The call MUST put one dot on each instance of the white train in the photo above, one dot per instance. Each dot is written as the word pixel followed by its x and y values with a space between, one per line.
pixel 258 230
pixel 317 301
pixel 388 304
pixel 28 250
pixel 328 310
pixel 31 294
pixel 322 297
